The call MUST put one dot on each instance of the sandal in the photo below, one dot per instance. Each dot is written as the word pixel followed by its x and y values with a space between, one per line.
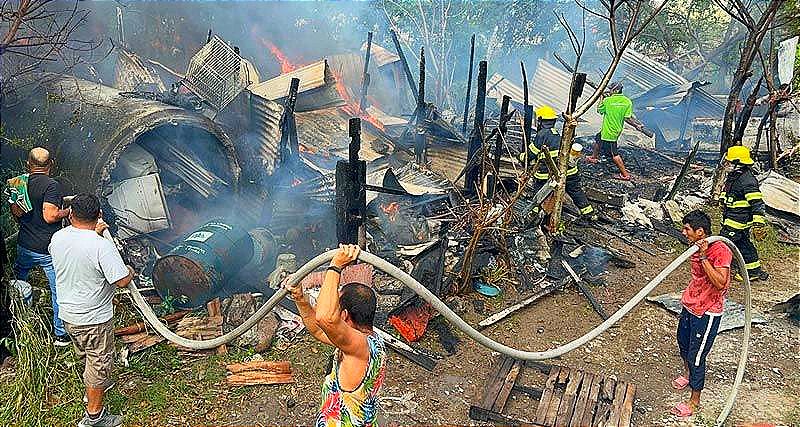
pixel 591 159
pixel 682 410
pixel 622 177
pixel 680 383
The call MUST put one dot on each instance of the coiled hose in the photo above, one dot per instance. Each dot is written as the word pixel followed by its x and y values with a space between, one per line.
pixel 442 308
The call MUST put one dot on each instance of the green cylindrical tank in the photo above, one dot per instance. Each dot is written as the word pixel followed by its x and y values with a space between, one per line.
pixel 196 270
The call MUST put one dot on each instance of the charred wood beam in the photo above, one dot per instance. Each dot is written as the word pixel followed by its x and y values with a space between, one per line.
pixel 403 60
pixel 684 170
pixel 476 138
pixel 365 75
pixel 576 90
pixel 289 146
pixel 351 195
pixel 469 85
pixel 498 146
pixel 421 92
pixel 527 120
pixel 585 291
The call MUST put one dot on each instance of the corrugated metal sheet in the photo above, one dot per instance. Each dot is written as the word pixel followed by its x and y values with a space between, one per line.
pixel 317 87
pixel 550 86
pixel 265 135
pixel 645 73
pixel 379 55
pixel 326 132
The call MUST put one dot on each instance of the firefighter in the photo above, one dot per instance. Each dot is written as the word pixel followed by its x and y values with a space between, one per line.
pixel 547 142
pixel 743 209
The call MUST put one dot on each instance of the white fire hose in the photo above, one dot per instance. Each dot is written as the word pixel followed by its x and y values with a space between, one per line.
pixel 442 308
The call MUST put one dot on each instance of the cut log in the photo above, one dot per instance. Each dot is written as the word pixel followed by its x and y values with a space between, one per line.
pixel 260 373
pixel 136 328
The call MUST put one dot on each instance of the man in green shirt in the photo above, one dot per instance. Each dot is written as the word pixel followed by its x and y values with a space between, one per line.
pixel 615 108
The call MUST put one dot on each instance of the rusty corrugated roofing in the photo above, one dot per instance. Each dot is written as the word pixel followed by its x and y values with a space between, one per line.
pixel 317 88
pixel 265 132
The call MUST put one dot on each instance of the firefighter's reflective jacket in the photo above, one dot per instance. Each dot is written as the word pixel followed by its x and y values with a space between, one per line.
pixel 546 136
pixel 742 202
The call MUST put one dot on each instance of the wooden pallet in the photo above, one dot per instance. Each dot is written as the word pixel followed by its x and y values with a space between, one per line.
pixel 571 397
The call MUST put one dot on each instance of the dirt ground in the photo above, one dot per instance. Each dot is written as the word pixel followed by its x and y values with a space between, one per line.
pixel 641 349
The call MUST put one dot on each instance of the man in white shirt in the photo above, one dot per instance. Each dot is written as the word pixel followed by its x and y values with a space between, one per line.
pixel 88 268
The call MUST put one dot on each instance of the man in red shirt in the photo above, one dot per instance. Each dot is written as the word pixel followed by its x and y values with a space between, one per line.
pixel 702 304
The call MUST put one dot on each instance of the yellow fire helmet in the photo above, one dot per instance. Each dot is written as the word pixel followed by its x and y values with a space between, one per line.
pixel 739 153
pixel 546 112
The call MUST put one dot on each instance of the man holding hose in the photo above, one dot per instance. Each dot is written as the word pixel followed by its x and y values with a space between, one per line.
pixel 343 318
pixel 703 302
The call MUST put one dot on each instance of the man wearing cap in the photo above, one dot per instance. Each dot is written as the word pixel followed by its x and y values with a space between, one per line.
pixel 743 208
pixel 615 108
pixel 547 143
pixel 38 211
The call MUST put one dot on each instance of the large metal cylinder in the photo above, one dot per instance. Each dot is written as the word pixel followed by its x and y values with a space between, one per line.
pixel 86 126
pixel 196 270
pixel 217 260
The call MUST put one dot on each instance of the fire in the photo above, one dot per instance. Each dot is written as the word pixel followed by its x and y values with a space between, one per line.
pixel 305 149
pixel 296 182
pixel 391 210
pixel 352 105
pixel 286 64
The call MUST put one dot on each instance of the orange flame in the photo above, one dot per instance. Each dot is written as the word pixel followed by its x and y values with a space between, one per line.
pixel 286 65
pixel 352 106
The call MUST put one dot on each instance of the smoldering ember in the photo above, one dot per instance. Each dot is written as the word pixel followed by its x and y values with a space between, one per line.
pixel 394 212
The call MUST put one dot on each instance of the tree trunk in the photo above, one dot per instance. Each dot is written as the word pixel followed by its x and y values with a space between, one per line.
pixel 754 38
pixel 567 135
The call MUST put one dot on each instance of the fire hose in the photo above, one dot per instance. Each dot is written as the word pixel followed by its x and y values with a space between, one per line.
pixel 442 308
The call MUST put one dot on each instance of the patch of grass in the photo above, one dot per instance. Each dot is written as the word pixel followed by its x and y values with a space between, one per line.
pixel 46 389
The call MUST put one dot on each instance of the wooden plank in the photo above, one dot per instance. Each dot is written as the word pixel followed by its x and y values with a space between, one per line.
pixel 626 412
pixel 508 385
pixel 533 393
pixel 582 399
pixel 544 402
pixel 495 381
pixel 565 410
pixel 494 318
pixel 604 400
pixel 558 394
pixel 591 403
pixel 215 309
pixel 616 405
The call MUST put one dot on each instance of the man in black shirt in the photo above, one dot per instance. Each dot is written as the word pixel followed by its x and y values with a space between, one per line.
pixel 37 226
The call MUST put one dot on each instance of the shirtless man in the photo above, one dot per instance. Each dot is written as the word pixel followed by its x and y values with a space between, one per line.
pixel 343 318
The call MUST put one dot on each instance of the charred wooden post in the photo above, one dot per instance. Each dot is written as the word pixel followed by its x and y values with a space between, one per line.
pixel 527 118
pixel 498 146
pixel 576 90
pixel 420 141
pixel 289 146
pixel 351 196
pixel 469 85
pixel 684 169
pixel 365 75
pixel 476 137
pixel 406 69
pixel 208 37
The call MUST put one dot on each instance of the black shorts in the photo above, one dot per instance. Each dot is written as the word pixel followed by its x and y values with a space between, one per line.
pixel 609 147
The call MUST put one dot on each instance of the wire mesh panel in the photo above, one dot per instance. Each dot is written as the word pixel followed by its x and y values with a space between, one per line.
pixel 217 73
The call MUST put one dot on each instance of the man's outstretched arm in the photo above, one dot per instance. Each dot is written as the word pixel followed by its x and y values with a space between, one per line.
pixel 329 311
pixel 308 314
